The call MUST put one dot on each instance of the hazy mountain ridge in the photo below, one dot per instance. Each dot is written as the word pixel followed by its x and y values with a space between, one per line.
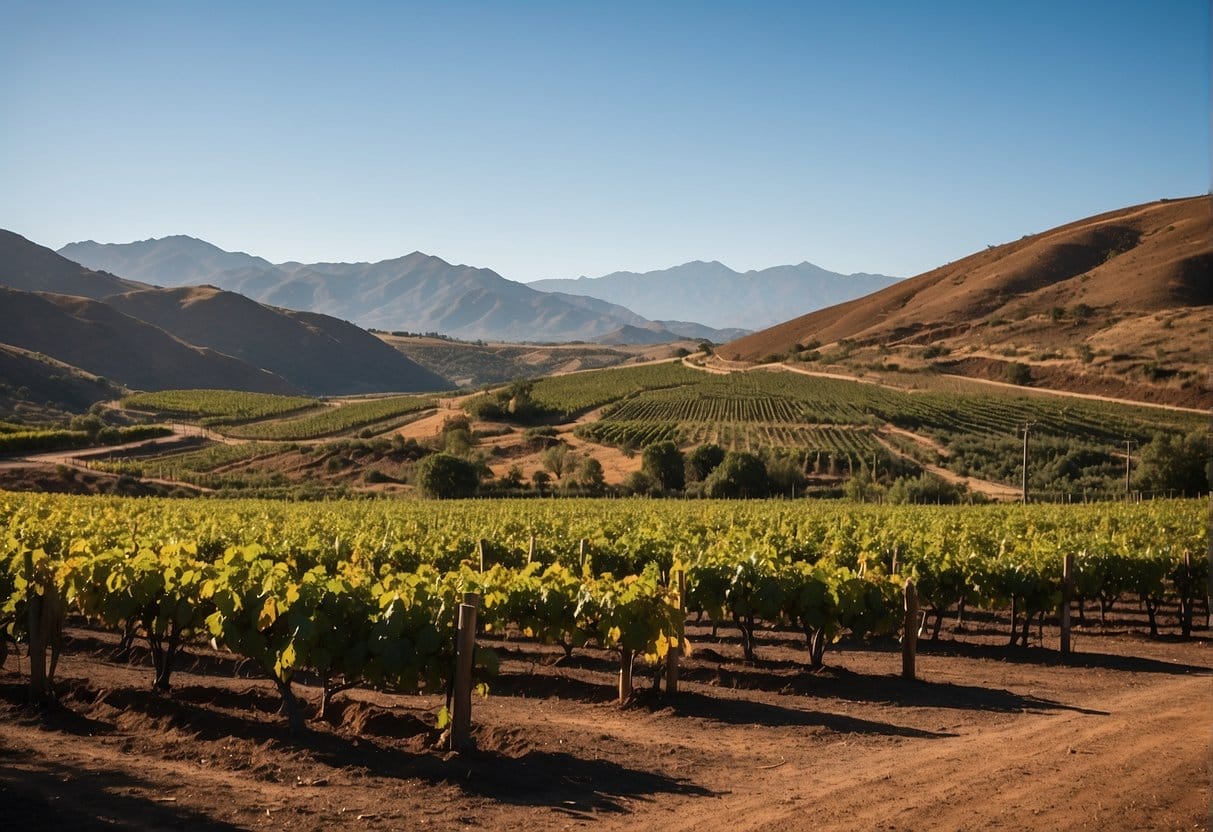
pixel 718 296
pixel 417 292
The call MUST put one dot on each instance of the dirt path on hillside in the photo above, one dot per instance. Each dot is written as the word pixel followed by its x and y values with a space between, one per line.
pixel 989 488
pixel 1091 396
pixel 917 438
pixel 739 366
pixel 691 362
pixel 80 459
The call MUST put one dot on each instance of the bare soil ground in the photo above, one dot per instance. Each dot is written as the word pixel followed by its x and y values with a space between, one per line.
pixel 989 738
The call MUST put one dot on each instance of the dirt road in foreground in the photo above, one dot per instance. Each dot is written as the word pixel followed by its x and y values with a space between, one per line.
pixel 989 739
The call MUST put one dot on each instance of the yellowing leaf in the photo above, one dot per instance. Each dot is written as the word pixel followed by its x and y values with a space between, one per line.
pixel 269 614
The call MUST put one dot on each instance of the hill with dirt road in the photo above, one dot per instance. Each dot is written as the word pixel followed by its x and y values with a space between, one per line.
pixel 1117 303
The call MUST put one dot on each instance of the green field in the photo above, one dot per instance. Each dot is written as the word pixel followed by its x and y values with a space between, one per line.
pixel 578 392
pixel 217 407
pixel 336 419
pixel 1077 443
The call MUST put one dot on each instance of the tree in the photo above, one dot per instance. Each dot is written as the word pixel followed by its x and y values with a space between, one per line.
pixel 638 482
pixel 520 405
pixel 512 477
pixel 556 459
pixel 590 475
pixel 444 477
pixel 457 436
pixel 862 487
pixel 740 474
pixel 664 463
pixel 785 474
pixel 1019 373
pixel 703 461
pixel 541 479
pixel 1175 462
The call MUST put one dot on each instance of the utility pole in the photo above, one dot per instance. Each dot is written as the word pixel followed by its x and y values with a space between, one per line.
pixel 1128 462
pixel 1026 429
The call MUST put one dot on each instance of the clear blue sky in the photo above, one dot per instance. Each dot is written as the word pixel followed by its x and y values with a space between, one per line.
pixel 566 138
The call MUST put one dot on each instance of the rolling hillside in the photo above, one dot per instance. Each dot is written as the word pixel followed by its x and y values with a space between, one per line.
pixel 1119 303
pixel 33 268
pixel 150 338
pixel 96 337
pixel 319 354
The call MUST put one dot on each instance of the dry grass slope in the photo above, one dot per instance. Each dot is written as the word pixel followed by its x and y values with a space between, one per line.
pixel 1128 271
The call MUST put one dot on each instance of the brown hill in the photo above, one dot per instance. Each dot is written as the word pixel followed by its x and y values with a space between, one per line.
pixel 317 353
pixel 33 268
pixel 96 337
pixel 151 338
pixel 1125 294
pixel 33 384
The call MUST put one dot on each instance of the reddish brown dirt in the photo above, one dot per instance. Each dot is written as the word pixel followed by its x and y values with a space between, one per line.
pixel 989 739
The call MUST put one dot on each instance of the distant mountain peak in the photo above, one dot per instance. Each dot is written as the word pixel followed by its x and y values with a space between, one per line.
pixel 718 296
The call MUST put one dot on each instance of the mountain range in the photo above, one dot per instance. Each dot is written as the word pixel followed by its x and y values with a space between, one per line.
pixel 150 338
pixel 718 296
pixel 417 293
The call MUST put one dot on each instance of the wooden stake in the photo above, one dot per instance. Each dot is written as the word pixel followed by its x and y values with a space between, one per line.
pixel 482 549
pixel 581 550
pixel 674 657
pixel 909 641
pixel 625 677
pixel 1067 597
pixel 461 716
pixel 37 638
pixel 530 552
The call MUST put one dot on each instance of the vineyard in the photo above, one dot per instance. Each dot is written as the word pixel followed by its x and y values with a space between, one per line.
pixel 1076 440
pixel 217 407
pixel 787 398
pixel 578 392
pixel 379 413
pixel 356 593
pixel 27 441
pixel 191 466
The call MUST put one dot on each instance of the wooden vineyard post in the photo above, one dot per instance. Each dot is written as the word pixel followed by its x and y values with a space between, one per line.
pixel 674 657
pixel 465 647
pixel 909 641
pixel 37 641
pixel 530 552
pixel 1067 597
pixel 482 550
pixel 625 676
pixel 1187 597
pixel 582 546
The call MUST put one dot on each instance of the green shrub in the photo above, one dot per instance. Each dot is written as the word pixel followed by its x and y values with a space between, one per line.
pixel 445 477
pixel 1019 373
pixel 739 475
